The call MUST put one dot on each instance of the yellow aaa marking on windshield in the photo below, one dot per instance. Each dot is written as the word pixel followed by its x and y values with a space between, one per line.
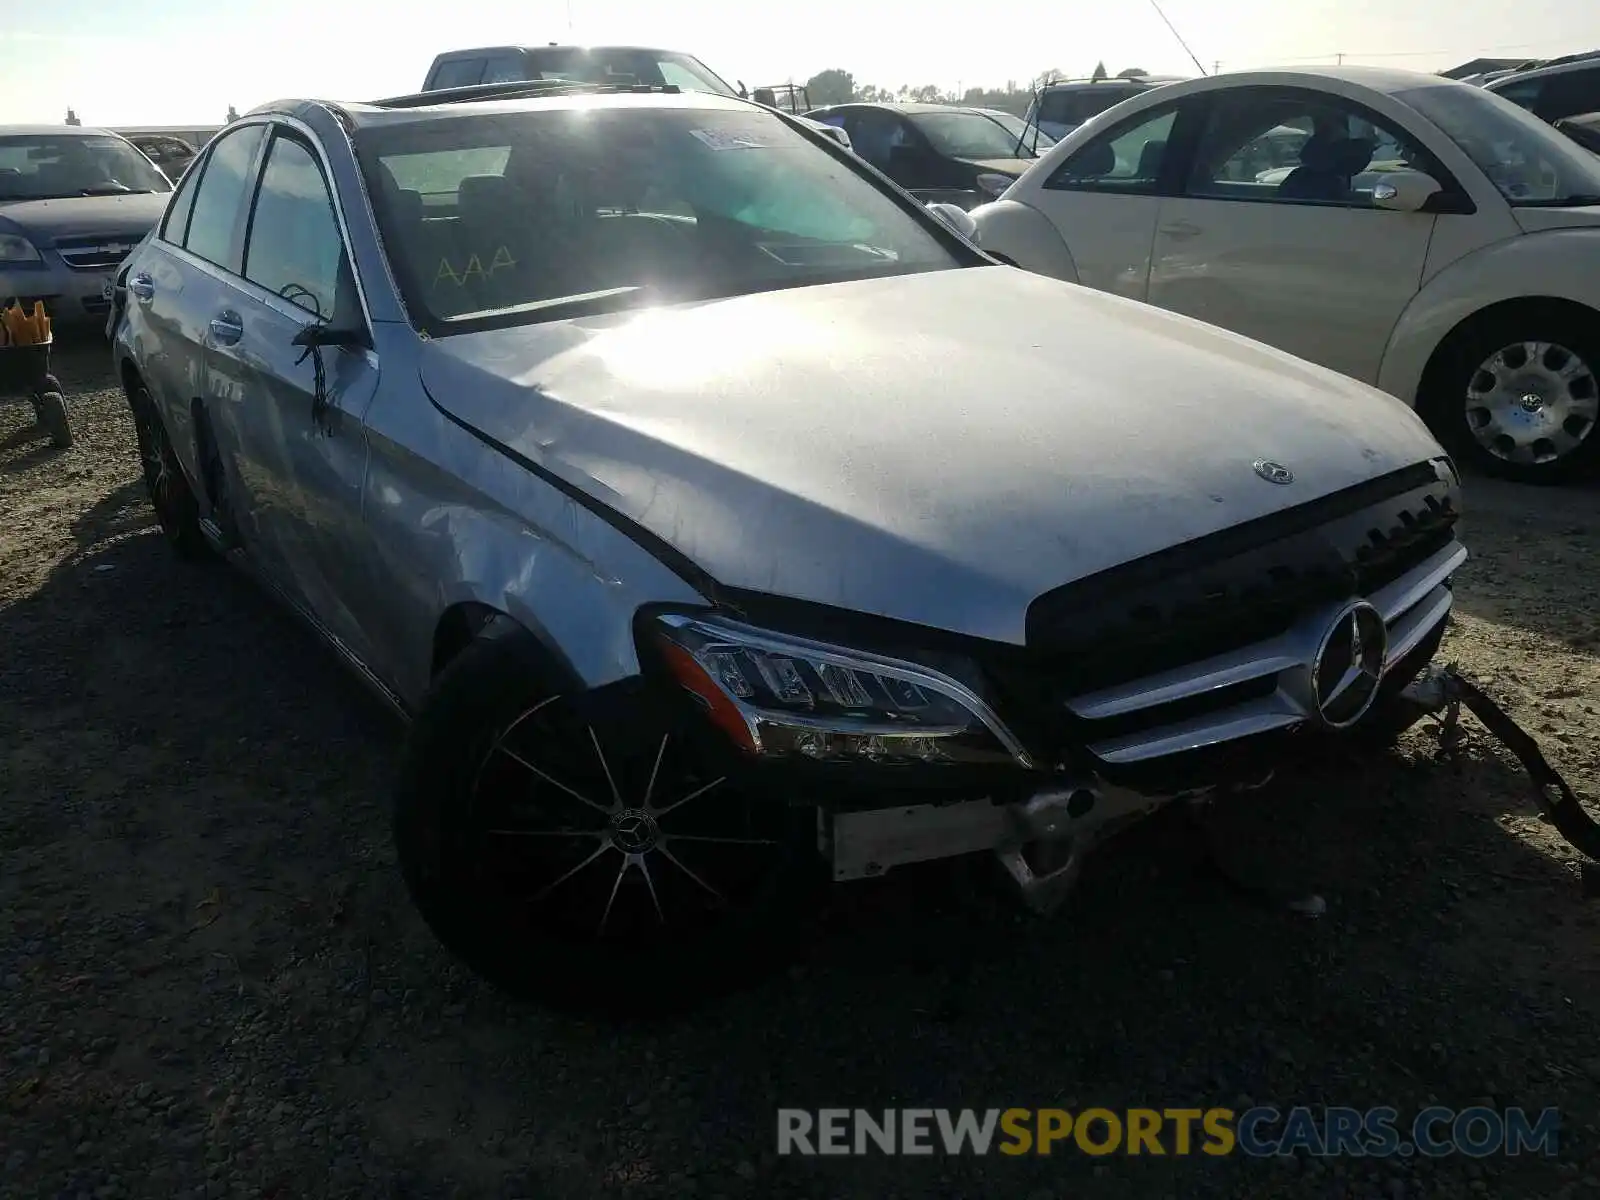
pixel 474 267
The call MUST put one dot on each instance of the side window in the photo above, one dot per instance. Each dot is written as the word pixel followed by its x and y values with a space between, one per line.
pixel 1298 148
pixel 1525 94
pixel 175 224
pixel 1570 94
pixel 458 72
pixel 220 195
pixel 294 249
pixel 508 68
pixel 1125 160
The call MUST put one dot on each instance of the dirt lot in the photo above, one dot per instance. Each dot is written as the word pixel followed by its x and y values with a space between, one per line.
pixel 212 984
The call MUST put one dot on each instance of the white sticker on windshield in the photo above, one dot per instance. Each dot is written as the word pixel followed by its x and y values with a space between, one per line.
pixel 718 139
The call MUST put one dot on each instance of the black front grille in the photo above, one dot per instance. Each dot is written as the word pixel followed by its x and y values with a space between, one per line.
pixel 96 252
pixel 1239 586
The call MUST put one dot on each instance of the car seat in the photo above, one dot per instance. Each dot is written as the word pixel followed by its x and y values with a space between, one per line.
pixel 1325 168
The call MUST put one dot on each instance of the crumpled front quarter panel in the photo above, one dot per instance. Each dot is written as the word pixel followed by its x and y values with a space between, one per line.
pixel 453 520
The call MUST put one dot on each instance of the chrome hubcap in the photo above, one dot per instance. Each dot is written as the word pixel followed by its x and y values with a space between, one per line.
pixel 1532 402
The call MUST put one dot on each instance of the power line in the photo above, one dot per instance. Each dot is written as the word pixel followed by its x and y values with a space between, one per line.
pixel 1477 52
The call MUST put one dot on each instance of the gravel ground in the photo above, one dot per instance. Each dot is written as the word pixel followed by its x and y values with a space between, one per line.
pixel 212 984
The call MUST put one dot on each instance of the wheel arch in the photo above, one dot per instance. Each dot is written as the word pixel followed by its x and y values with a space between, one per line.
pixel 1440 360
pixel 468 621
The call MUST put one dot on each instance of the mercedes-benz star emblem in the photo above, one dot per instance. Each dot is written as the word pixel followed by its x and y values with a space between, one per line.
pixel 1348 668
pixel 1273 472
pixel 633 831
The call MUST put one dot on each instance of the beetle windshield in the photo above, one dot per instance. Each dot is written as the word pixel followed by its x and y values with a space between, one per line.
pixel 1526 159
pixel 56 166
pixel 544 212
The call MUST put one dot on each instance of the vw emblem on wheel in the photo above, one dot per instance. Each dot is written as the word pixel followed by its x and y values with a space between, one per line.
pixel 1273 472
pixel 1348 667
pixel 633 831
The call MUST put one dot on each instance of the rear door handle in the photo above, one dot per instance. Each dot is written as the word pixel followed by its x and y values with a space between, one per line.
pixel 1181 229
pixel 142 286
pixel 227 327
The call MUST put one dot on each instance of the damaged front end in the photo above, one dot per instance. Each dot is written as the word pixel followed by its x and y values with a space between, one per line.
pixel 1194 672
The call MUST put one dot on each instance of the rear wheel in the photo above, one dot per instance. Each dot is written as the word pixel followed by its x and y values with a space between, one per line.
pixel 1519 397
pixel 575 850
pixel 174 503
pixel 50 408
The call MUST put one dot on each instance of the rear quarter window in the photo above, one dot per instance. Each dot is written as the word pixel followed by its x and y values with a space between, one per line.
pixel 458 72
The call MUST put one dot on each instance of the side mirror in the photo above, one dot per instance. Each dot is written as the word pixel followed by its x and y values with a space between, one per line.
pixel 993 184
pixel 957 219
pixel 328 334
pixel 1404 191
pixel 765 97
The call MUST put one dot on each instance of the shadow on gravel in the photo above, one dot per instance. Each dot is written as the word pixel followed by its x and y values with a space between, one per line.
pixel 195 822
pixel 124 510
pixel 1536 555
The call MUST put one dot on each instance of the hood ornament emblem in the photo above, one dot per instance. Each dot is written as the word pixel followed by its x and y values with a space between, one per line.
pixel 1272 472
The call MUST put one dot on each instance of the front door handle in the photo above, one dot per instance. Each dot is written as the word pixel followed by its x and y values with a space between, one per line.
pixel 1179 230
pixel 226 327
pixel 142 286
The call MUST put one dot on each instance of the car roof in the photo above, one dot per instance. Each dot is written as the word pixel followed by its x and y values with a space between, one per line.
pixel 57 130
pixel 1388 80
pixel 474 51
pixel 1136 81
pixel 367 114
pixel 900 106
pixel 1556 66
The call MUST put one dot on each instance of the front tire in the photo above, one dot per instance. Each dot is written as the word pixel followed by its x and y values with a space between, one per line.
pixel 1519 397
pixel 170 495
pixel 574 850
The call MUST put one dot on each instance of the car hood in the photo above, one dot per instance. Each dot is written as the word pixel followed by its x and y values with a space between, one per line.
pixel 76 215
pixel 1538 220
pixel 1003 166
pixel 938 448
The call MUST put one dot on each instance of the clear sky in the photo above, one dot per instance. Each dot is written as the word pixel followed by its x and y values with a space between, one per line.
pixel 155 62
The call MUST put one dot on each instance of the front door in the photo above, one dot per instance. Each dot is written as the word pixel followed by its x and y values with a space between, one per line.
pixel 292 423
pixel 1276 236
pixel 1104 199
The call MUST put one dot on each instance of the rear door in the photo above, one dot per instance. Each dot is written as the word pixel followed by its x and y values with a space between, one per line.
pixel 292 422
pixel 175 285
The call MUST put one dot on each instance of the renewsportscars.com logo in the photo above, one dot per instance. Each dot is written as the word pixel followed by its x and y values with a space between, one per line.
pixel 1257 1132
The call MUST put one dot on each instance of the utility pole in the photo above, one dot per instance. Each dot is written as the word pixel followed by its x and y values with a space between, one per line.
pixel 1338 60
pixel 1216 66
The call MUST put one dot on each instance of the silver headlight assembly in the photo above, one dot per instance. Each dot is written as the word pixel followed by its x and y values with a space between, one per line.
pixel 775 695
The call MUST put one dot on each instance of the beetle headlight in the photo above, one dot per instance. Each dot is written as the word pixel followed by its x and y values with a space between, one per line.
pixel 14 248
pixel 776 695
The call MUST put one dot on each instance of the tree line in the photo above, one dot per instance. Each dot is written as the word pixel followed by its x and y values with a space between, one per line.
pixel 836 86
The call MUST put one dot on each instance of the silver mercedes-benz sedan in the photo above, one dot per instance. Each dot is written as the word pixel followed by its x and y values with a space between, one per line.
pixel 721 520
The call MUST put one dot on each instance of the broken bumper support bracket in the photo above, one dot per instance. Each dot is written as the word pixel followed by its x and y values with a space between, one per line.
pixel 1445 691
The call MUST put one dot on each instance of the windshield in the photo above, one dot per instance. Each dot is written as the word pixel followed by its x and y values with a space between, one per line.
pixel 966 135
pixel 53 166
pixel 536 215
pixel 1018 128
pixel 1526 159
pixel 612 65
